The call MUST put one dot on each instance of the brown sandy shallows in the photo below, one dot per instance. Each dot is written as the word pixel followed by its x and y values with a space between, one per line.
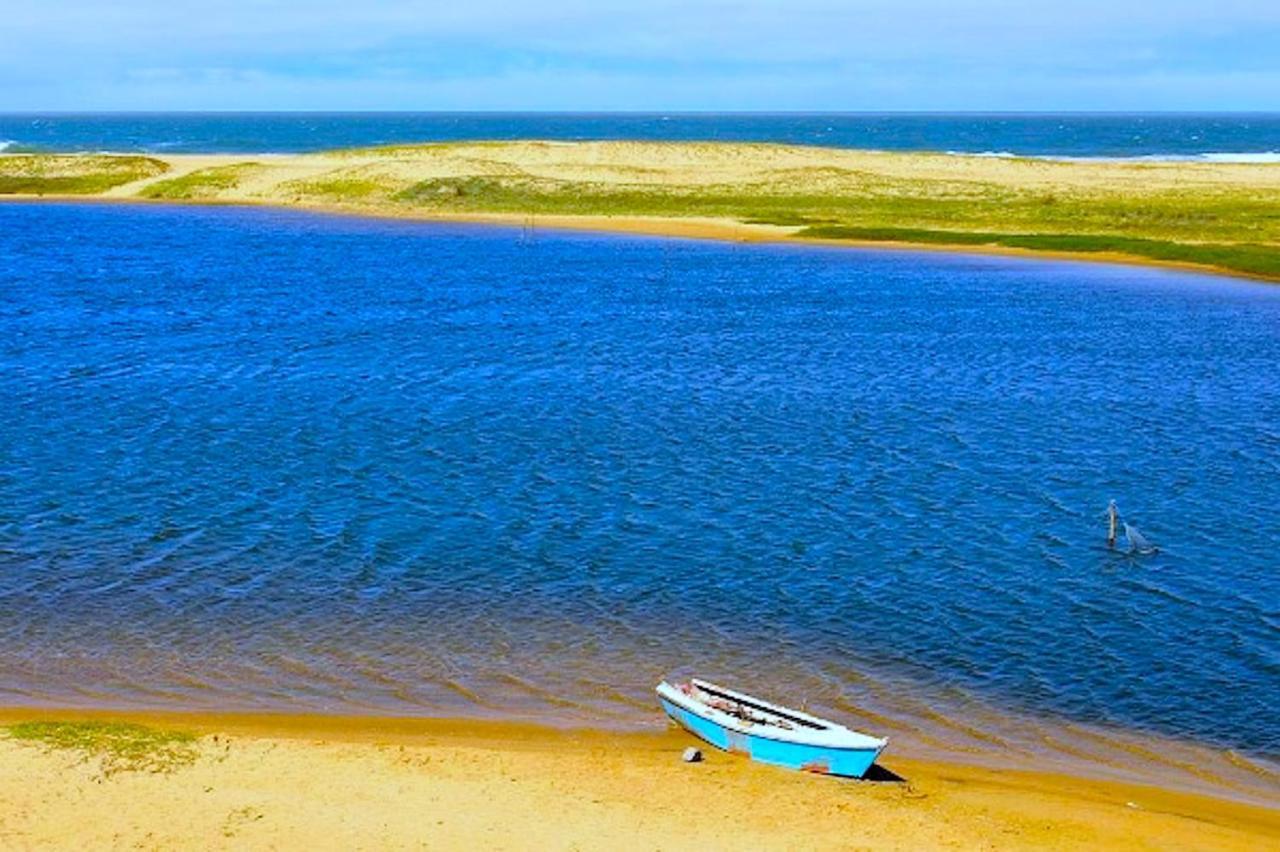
pixel 1223 216
pixel 331 783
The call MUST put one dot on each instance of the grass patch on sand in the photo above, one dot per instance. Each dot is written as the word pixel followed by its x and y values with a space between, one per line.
pixel 200 184
pixel 1251 259
pixel 120 746
pixel 340 189
pixel 1230 233
pixel 542 196
pixel 72 174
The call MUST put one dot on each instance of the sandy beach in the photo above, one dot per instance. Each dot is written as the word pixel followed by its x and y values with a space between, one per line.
pixel 341 783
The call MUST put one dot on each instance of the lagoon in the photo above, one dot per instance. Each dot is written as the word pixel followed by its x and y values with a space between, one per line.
pixel 266 459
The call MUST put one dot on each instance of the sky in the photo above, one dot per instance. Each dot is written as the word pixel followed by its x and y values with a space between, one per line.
pixel 649 55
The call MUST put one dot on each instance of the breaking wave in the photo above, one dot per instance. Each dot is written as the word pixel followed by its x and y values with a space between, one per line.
pixel 1263 157
pixel 1204 157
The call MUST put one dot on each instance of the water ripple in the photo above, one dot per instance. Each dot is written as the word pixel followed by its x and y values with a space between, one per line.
pixel 386 467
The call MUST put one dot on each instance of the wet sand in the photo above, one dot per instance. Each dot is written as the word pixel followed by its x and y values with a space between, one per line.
pixel 317 782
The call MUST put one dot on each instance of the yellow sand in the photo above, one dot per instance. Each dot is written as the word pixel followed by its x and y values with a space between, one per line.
pixel 659 164
pixel 318 783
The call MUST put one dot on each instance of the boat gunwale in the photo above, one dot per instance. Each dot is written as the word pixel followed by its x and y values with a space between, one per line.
pixel 833 736
pixel 760 704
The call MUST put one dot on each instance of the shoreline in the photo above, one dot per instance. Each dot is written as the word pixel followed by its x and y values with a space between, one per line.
pixel 1203 217
pixel 391 781
pixel 1100 754
pixel 688 228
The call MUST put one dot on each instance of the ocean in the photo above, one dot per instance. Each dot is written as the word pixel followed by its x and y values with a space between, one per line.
pixel 1229 137
pixel 265 459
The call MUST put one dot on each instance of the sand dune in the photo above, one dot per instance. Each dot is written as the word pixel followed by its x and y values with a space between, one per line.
pixel 1210 214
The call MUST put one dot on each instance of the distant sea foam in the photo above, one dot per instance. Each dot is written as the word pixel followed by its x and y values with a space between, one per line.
pixel 1205 157
pixel 1267 157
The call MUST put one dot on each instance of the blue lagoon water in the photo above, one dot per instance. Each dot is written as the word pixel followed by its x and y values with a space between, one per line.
pixel 1230 136
pixel 266 459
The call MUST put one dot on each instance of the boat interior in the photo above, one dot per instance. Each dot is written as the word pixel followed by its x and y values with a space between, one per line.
pixel 741 707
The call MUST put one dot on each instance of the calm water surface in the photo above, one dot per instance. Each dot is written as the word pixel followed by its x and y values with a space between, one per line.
pixel 267 459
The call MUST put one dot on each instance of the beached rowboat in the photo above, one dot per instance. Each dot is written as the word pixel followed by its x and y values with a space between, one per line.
pixel 744 725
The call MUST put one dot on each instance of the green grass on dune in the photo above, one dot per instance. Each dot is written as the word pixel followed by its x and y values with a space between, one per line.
pixel 1247 258
pixel 342 189
pixel 508 195
pixel 120 746
pixel 1224 230
pixel 200 184
pixel 1224 216
pixel 72 174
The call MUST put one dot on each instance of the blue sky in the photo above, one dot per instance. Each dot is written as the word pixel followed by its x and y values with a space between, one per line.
pixel 640 55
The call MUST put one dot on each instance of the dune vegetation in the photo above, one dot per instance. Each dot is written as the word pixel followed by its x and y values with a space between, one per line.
pixel 118 746
pixel 1221 215
pixel 201 184
pixel 48 174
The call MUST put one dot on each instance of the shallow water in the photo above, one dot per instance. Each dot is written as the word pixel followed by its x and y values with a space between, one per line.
pixel 1231 136
pixel 266 459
